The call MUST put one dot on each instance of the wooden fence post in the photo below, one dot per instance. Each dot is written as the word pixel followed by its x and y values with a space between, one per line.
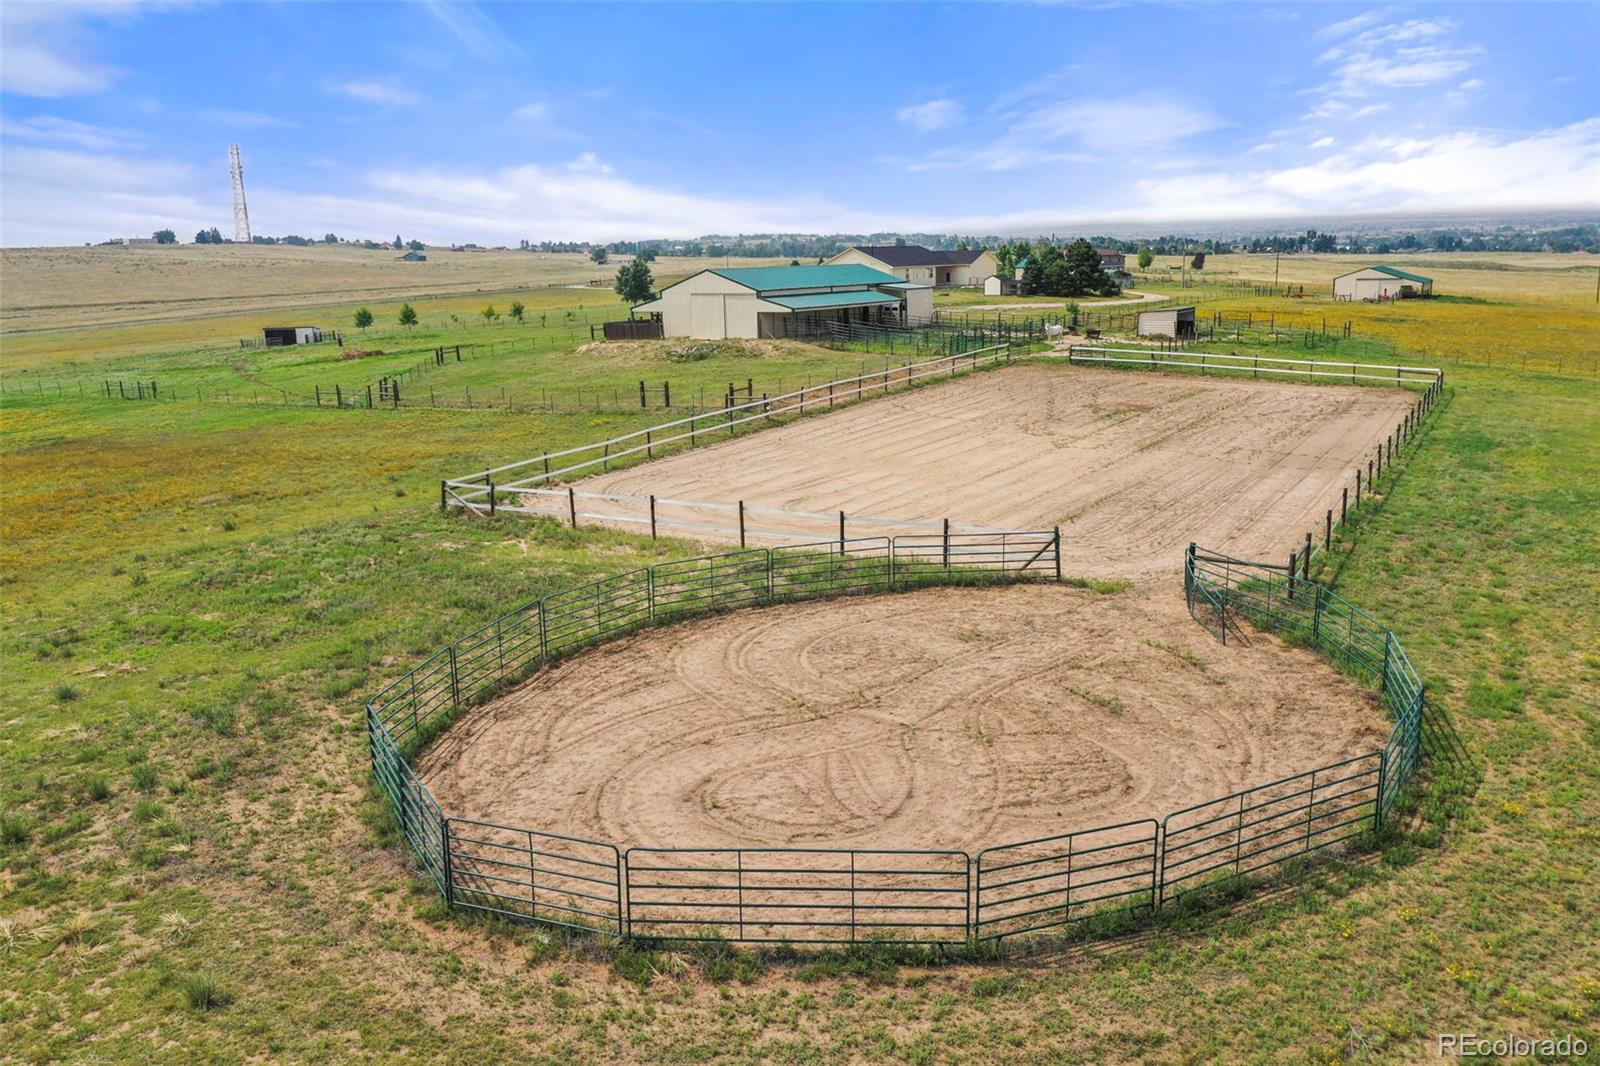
pixel 652 517
pixel 741 523
pixel 572 506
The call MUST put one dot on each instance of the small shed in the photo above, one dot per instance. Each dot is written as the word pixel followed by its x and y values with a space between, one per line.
pixel 413 256
pixel 996 285
pixel 283 336
pixel 1167 322
pixel 1381 283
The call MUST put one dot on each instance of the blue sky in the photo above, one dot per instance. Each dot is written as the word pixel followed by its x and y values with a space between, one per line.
pixel 497 121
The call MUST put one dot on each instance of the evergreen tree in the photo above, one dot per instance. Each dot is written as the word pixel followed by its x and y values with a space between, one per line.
pixel 363 318
pixel 1082 272
pixel 408 316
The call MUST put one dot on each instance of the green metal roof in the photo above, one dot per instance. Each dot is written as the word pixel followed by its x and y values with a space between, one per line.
pixel 805 277
pixel 819 300
pixel 1395 272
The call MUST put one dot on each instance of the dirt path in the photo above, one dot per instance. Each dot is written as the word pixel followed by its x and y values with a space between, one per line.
pixel 1133 466
pixel 1140 298
pixel 946 718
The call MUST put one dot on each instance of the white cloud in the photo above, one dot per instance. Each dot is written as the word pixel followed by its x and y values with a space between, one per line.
pixel 1369 110
pixel 537 111
pixel 56 196
pixel 931 115
pixel 1265 146
pixel 42 51
pixel 1349 25
pixel 376 92
pixel 62 131
pixel 1322 142
pixel 1396 55
pixel 1468 170
pixel 244 120
pixel 1078 130
pixel 1470 84
pixel 468 24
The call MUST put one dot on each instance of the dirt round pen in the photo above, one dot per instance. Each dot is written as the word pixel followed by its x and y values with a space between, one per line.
pixel 940 718
pixel 953 764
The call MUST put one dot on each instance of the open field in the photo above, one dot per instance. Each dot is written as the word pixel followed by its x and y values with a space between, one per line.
pixel 945 718
pixel 197 597
pixel 1132 467
pixel 66 288
pixel 66 307
pixel 1527 311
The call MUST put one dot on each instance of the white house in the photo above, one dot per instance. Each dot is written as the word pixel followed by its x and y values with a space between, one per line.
pixel 1380 283
pixel 998 285
pixel 913 262
pixel 791 301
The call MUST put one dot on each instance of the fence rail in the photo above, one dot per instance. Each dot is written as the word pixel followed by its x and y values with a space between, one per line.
pixel 481 490
pixel 843 895
pixel 798 895
pixel 1254 365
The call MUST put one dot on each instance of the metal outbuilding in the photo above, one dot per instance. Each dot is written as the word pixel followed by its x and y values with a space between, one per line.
pixel 1381 283
pixel 283 336
pixel 1175 322
pixel 791 301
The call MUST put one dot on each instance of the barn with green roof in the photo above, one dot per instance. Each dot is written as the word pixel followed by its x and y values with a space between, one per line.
pixel 786 301
pixel 1381 283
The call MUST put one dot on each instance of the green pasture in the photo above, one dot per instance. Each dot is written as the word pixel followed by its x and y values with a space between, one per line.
pixel 197 597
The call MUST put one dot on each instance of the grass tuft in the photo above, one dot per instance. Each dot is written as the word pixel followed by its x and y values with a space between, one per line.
pixel 202 992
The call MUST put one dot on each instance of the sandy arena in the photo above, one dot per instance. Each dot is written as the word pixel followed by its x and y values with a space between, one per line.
pixel 1132 466
pixel 949 718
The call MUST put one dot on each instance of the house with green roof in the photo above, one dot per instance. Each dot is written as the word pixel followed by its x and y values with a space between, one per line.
pixel 1381 283
pixel 786 301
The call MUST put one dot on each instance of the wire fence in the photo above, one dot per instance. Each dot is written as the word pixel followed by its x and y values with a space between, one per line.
pixel 847 895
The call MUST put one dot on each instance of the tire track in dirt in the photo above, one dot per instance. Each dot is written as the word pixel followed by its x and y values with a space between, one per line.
pixel 1138 464
pixel 944 719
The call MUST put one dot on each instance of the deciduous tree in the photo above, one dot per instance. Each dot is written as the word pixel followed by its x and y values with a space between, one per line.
pixel 634 283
